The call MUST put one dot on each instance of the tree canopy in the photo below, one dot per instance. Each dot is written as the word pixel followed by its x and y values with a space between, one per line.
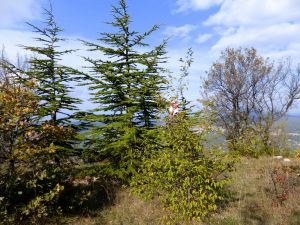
pixel 249 91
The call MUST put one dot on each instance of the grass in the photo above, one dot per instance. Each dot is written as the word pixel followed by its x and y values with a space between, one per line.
pixel 255 199
pixel 126 210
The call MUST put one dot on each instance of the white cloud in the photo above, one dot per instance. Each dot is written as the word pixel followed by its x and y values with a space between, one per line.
pixel 203 38
pixel 184 5
pixel 271 26
pixel 14 11
pixel 11 41
pixel 255 12
pixel 269 37
pixel 180 31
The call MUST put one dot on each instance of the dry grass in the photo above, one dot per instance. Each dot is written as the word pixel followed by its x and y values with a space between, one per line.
pixel 132 210
pixel 127 210
pixel 253 200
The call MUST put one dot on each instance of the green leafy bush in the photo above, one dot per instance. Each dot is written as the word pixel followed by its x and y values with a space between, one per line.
pixel 256 142
pixel 250 144
pixel 187 179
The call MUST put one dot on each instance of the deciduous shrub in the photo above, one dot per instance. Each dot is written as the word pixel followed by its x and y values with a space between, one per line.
pixel 255 142
pixel 250 144
pixel 188 179
pixel 31 179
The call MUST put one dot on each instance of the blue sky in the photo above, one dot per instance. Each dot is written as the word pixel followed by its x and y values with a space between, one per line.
pixel 208 26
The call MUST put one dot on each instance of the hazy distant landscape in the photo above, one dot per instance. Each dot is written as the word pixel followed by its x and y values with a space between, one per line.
pixel 293 130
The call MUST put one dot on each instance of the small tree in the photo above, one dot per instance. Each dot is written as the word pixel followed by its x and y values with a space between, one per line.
pixel 250 92
pixel 182 82
pixel 55 81
pixel 187 178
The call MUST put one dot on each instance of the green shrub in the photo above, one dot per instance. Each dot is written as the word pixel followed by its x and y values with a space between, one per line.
pixel 256 142
pixel 250 144
pixel 187 179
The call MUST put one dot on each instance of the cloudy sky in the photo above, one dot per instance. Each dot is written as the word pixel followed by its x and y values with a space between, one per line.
pixel 208 26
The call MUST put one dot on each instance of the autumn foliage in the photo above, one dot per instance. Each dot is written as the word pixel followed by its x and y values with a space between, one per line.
pixel 31 180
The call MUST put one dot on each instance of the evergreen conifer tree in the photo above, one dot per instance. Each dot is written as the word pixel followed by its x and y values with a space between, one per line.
pixel 127 88
pixel 55 81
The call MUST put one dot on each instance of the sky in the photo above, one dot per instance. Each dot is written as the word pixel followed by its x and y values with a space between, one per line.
pixel 207 26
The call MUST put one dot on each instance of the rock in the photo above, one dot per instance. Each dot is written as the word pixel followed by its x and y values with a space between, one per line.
pixel 286 160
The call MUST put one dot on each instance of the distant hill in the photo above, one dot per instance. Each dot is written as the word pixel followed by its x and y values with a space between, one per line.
pixel 293 130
